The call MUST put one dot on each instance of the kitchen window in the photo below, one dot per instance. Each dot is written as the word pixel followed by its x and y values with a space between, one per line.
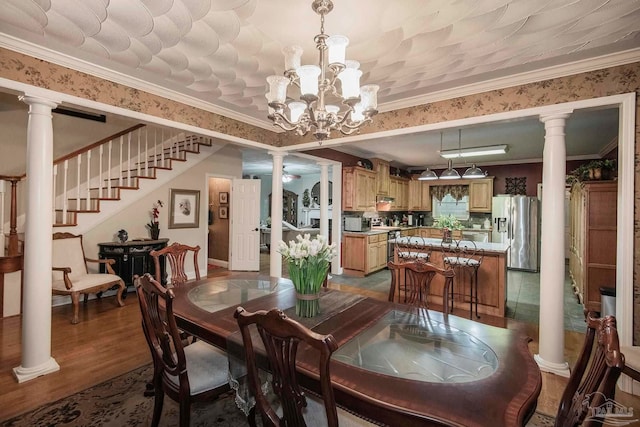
pixel 450 206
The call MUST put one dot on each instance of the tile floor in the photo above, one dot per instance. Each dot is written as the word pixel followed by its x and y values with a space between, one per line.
pixel 523 295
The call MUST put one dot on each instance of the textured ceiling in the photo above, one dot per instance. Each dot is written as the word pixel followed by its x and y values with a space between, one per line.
pixel 219 52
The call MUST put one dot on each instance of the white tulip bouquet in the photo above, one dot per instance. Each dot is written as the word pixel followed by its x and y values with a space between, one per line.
pixel 308 261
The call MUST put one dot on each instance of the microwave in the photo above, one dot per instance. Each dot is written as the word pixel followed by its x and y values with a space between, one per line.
pixel 356 223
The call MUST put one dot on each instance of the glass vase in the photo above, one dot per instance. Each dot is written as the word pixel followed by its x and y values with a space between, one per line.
pixel 307 277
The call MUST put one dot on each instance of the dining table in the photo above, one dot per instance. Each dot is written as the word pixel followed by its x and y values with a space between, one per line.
pixel 396 365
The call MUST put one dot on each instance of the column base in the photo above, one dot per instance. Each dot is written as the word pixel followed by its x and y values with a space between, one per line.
pixel 26 374
pixel 561 369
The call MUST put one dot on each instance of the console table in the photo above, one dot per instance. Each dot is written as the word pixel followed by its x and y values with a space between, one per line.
pixel 132 258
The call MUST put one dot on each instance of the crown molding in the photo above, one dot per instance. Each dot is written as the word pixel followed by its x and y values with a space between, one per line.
pixel 611 145
pixel 576 67
pixel 31 49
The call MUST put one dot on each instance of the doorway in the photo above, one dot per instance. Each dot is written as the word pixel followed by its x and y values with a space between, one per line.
pixel 218 230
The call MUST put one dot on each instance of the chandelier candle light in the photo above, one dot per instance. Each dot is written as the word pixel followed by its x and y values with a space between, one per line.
pixel 317 85
pixel 308 262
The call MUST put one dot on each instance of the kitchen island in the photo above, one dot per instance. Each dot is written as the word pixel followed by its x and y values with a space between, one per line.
pixel 492 275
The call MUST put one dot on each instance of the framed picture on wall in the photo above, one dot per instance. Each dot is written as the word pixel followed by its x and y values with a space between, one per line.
pixel 224 197
pixel 223 212
pixel 184 208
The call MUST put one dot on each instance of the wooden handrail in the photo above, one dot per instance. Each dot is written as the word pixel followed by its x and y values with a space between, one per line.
pixel 97 144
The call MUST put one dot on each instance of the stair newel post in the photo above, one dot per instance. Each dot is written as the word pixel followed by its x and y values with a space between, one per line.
pixel 78 166
pixel 65 199
pixel 89 179
pixel 109 168
pixel 120 162
pixel 129 159
pixel 101 157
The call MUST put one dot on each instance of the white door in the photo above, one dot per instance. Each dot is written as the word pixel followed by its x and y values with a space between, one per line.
pixel 245 225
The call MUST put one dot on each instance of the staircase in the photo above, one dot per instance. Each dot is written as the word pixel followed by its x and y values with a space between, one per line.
pixel 93 179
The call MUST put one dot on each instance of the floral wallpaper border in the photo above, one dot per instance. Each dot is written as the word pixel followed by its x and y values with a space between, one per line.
pixel 605 82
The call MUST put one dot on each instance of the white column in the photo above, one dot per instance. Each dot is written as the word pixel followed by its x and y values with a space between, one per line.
pixel 324 198
pixel 336 214
pixel 552 266
pixel 275 265
pixel 36 307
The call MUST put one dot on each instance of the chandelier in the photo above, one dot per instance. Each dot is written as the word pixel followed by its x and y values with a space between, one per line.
pixel 317 85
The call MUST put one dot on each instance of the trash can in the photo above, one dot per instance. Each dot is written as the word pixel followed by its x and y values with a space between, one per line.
pixel 607 301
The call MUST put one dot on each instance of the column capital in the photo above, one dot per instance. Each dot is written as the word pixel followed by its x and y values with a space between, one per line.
pixel 564 114
pixel 279 154
pixel 38 100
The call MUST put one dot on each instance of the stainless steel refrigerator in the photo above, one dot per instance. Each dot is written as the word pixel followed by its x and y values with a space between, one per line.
pixel 516 222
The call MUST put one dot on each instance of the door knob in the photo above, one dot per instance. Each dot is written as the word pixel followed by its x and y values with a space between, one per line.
pixel 256 229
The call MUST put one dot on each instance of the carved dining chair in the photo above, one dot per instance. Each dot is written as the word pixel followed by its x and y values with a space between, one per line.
pixel 281 337
pixel 71 275
pixel 418 276
pixel 198 372
pixel 592 383
pixel 175 254
pixel 464 258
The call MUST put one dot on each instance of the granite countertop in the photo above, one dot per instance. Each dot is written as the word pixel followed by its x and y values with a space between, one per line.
pixel 400 228
pixel 486 246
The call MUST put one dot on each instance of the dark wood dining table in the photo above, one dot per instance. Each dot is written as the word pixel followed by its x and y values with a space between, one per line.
pixel 499 385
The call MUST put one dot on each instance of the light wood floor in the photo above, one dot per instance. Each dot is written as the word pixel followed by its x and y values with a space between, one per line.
pixel 109 341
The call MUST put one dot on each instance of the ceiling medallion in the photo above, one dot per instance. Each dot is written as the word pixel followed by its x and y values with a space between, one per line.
pixel 318 88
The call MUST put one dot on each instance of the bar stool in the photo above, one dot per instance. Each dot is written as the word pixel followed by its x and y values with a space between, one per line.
pixel 464 258
pixel 412 249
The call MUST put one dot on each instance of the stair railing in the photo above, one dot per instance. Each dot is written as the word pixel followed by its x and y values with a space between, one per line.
pixel 100 170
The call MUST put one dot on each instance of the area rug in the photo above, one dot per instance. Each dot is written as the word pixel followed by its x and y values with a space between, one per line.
pixel 120 402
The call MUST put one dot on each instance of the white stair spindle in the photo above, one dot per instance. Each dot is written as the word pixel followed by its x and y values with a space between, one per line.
pixel 162 146
pixel 146 151
pixel 101 157
pixel 65 199
pixel 138 157
pixel 120 162
pixel 89 180
pixel 78 166
pixel 129 160
pixel 55 177
pixel 109 169
pixel 155 147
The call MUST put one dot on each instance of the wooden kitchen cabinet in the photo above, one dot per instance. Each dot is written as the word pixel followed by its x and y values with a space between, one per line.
pixel 358 189
pixel 419 196
pixel 436 233
pixel 382 176
pixel 399 190
pixel 376 253
pixel 480 195
pixel 592 239
pixel 363 254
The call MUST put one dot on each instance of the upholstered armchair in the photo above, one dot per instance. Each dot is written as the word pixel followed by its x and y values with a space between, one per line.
pixel 71 276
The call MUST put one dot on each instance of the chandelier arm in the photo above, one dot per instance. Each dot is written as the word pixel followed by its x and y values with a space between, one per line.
pixel 282 121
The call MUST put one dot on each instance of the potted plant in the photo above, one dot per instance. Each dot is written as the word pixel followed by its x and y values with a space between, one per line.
pixel 593 170
pixel 448 223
